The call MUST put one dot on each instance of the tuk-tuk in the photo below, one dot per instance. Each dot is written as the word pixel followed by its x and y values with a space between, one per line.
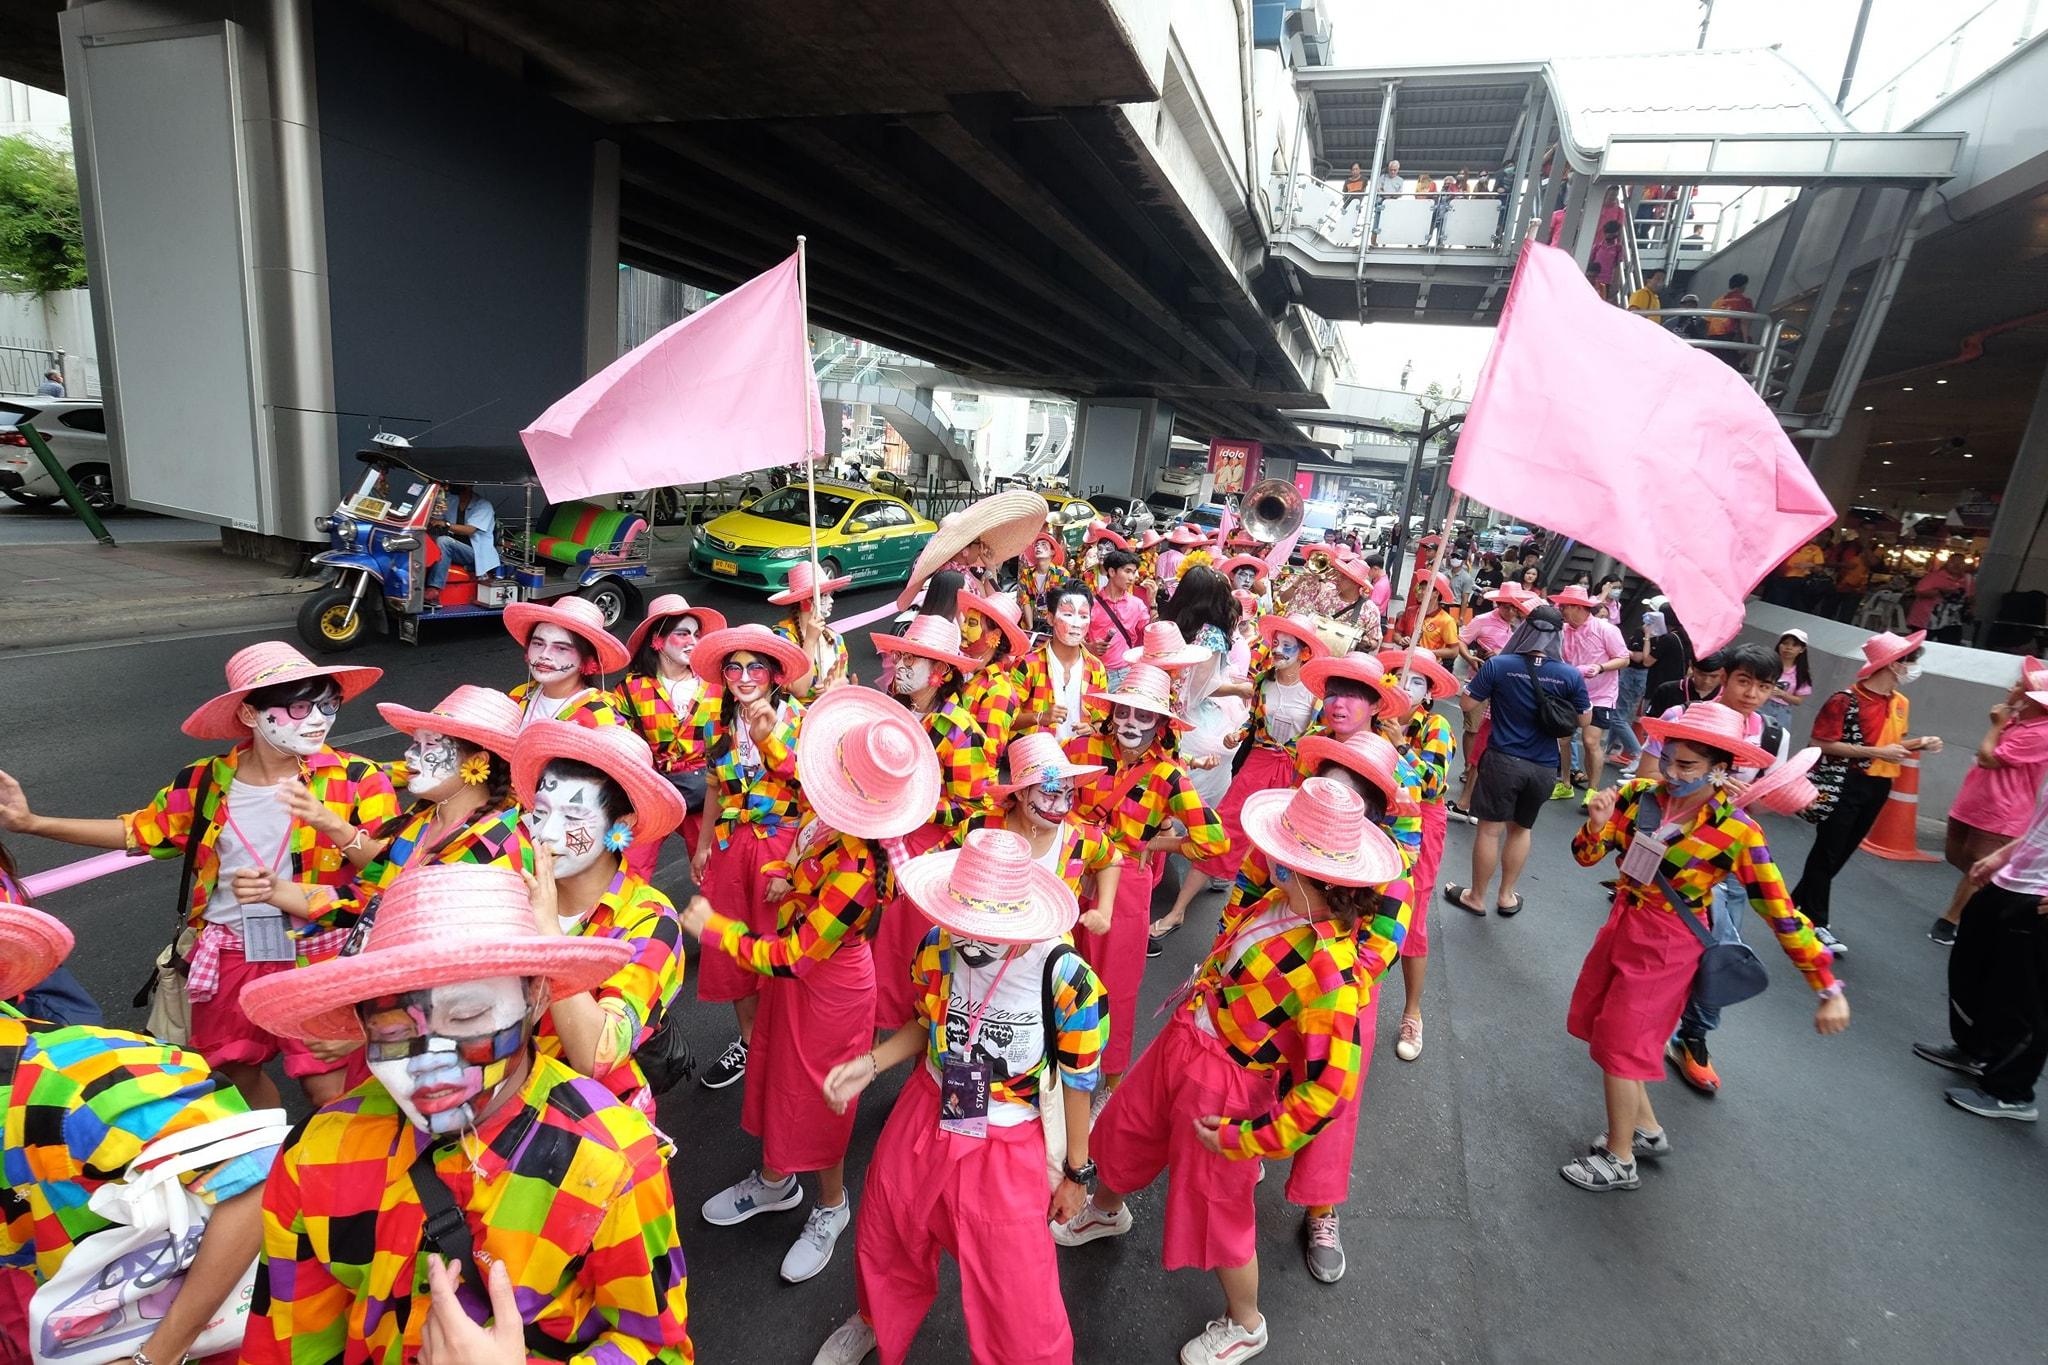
pixel 381 547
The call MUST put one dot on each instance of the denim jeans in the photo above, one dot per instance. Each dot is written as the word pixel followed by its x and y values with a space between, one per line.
pixel 1730 903
pixel 454 550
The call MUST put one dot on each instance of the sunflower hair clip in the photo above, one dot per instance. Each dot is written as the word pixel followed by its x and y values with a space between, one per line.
pixel 476 770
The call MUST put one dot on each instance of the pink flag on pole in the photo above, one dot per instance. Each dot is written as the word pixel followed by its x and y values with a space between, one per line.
pixel 728 389
pixel 1606 428
pixel 1224 526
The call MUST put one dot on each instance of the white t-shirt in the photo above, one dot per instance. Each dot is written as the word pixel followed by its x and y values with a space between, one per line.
pixel 261 815
pixel 1287 709
pixel 1012 1034
pixel 540 706
pixel 682 693
pixel 1067 687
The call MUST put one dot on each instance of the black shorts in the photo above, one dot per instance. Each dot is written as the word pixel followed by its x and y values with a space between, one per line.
pixel 1511 789
pixel 1603 718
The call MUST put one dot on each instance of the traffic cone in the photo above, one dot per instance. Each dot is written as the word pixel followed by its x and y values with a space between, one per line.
pixel 1896 832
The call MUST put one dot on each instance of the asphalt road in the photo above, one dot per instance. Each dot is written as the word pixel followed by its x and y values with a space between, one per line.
pixel 1828 1206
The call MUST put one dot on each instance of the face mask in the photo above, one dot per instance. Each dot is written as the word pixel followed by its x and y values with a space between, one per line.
pixel 680 643
pixel 1134 728
pixel 569 819
pixel 1683 789
pixel 434 766
pixel 1070 621
pixel 551 655
pixel 303 736
pixel 1908 673
pixel 443 1053
pixel 912 675
pixel 1286 649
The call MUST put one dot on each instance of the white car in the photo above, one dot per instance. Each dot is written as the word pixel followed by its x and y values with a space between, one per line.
pixel 76 430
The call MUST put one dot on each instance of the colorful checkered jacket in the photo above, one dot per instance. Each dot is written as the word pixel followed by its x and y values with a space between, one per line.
pixel 594 709
pixel 633 997
pixel 773 796
pixel 996 702
pixel 1718 842
pixel 1148 803
pixel 1427 742
pixel 1034 682
pixel 965 765
pixel 1076 1033
pixel 645 702
pixel 568 1187
pixel 492 838
pixel 353 787
pixel 836 882
pixel 1379 938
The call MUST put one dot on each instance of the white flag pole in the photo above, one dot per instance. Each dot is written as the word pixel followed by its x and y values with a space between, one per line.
pixel 803 289
pixel 1443 548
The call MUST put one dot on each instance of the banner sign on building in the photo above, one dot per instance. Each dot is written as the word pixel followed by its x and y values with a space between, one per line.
pixel 1235 465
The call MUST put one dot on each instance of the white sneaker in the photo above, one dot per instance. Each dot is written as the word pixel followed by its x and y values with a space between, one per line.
pixel 1223 1342
pixel 853 1343
pixel 812 1250
pixel 738 1203
pixel 1091 1224
pixel 1408 1045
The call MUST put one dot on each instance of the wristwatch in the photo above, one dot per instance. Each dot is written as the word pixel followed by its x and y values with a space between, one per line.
pixel 1085 1177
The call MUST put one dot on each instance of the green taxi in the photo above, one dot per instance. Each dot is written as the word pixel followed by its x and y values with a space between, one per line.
pixel 867 536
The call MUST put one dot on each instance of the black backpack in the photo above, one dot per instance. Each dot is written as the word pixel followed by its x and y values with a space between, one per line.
pixel 1554 715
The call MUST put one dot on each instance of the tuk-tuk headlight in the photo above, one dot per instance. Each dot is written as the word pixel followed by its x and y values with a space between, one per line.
pixel 323 524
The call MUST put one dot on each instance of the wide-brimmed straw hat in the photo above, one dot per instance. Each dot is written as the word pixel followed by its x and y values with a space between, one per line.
pixel 1259 567
pixel 477 715
pixel 579 616
pixel 1165 647
pixel 929 637
pixel 32 945
pixel 1784 788
pixel 1300 627
pixel 1036 758
pixel 1884 649
pixel 1320 830
pixel 1187 536
pixel 803 585
pixel 1365 669
pixel 1008 521
pixel 708 659
pixel 666 606
pixel 1574 596
pixel 1149 540
pixel 1715 726
pixel 440 924
pixel 1369 754
pixel 614 750
pixel 1100 531
pixel 868 766
pixel 1423 664
pixel 1354 569
pixel 990 890
pixel 1001 612
pixel 269 663
pixel 1147 688
pixel 1445 594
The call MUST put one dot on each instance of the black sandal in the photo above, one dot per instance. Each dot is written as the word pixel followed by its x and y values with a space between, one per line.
pixel 1455 894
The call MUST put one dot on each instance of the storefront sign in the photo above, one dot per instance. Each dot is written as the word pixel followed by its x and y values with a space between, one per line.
pixel 1235 465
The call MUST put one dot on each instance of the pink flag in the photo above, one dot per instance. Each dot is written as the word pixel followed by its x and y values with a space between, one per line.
pixel 728 389
pixel 1604 427
pixel 1278 556
pixel 1224 526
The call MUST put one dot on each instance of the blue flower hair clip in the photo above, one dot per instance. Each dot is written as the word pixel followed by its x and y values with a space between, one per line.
pixel 619 837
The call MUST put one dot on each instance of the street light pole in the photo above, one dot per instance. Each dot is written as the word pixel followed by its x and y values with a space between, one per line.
pixel 1706 18
pixel 1855 51
pixel 1429 431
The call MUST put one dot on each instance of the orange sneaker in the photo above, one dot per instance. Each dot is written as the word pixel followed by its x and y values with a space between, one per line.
pixel 1694 1067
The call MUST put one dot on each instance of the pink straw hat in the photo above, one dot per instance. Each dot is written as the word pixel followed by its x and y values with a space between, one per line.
pixel 1784 789
pixel 802 585
pixel 1187 536
pixel 671 604
pixel 1150 540
pixel 1006 522
pixel 712 651
pixel 1165 647
pixel 269 663
pixel 439 925
pixel 1365 669
pixel 1147 688
pixel 32 945
pixel 1574 596
pixel 1423 664
pixel 1001 612
pixel 1300 627
pixel 579 616
pixel 1035 759
pixel 614 750
pixel 1319 830
pixel 1353 568
pixel 868 766
pixel 1259 567
pixel 929 637
pixel 477 715
pixel 990 890
pixel 1885 649
pixel 1372 756
pixel 1716 726
pixel 1100 531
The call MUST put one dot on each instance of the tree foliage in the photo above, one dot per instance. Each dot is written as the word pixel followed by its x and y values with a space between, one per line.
pixel 42 244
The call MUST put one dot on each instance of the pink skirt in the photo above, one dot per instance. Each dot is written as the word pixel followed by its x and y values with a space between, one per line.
pixel 1118 957
pixel 1632 989
pixel 734 885
pixel 806 1026
pixel 1266 770
pixel 902 928
pixel 1435 820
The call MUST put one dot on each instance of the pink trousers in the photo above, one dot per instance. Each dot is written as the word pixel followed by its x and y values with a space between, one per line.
pixel 983 1200
pixel 902 928
pixel 1118 957
pixel 733 883
pixel 1265 770
pixel 1435 819
pixel 1631 990
pixel 806 1026
pixel 1321 1172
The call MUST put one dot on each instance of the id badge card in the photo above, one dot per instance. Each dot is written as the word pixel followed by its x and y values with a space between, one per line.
pixel 963 1099
pixel 1645 857
pixel 264 936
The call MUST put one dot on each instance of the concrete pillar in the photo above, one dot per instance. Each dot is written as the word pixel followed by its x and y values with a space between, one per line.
pixel 835 428
pixel 1120 444
pixel 1837 461
pixel 2020 516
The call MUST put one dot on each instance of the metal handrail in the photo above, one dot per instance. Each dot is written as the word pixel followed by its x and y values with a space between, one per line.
pixel 1947 56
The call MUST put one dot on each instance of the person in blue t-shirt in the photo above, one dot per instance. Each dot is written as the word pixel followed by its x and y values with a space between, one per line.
pixel 1519 768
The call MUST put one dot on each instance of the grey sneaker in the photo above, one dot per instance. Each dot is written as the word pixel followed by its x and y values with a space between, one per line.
pixel 853 1343
pixel 1091 1224
pixel 812 1250
pixel 738 1203
pixel 1970 1098
pixel 1322 1248
pixel 1943 933
pixel 1950 1056
pixel 1600 1170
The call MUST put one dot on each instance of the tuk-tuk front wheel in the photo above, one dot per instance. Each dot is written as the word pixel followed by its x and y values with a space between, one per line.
pixel 325 623
pixel 616 598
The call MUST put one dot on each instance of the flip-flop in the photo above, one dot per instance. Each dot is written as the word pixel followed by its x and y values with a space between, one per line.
pixel 1156 933
pixel 1514 909
pixel 1455 894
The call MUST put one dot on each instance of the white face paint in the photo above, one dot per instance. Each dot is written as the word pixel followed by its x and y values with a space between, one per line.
pixel 1049 801
pixel 551 654
pixel 977 954
pixel 463 1041
pixel 823 606
pixel 747 675
pixel 1070 620
pixel 1418 689
pixel 1286 649
pixel 303 735
pixel 434 765
pixel 681 641
pixel 1134 727
pixel 568 818
pixel 1244 578
pixel 912 675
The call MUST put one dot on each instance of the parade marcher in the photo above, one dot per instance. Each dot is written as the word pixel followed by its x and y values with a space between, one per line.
pixel 1249 573
pixel 746 726
pixel 569 654
pixel 1479 639
pixel 810 607
pixel 977 540
pixel 1592 644
pixel 1047 569
pixel 467 1151
pixel 1427 740
pixel 1997 796
pixel 1003 1003
pixel 1866 725
pixel 1795 677
pixel 281 799
pixel 661 693
pixel 1146 804
pixel 83 1107
pixel 58 998
pixel 928 673
pixel 869 774
pixel 1678 836
pixel 1118 624
pixel 1058 677
pixel 990 634
pixel 1206 695
pixel 1179 542
pixel 589 796
pixel 1277 999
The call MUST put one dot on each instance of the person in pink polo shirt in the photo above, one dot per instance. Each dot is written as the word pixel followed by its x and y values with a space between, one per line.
pixel 1117 630
pixel 1593 645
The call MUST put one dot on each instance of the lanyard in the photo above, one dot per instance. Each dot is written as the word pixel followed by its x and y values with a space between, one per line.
pixel 276 863
pixel 974 1019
